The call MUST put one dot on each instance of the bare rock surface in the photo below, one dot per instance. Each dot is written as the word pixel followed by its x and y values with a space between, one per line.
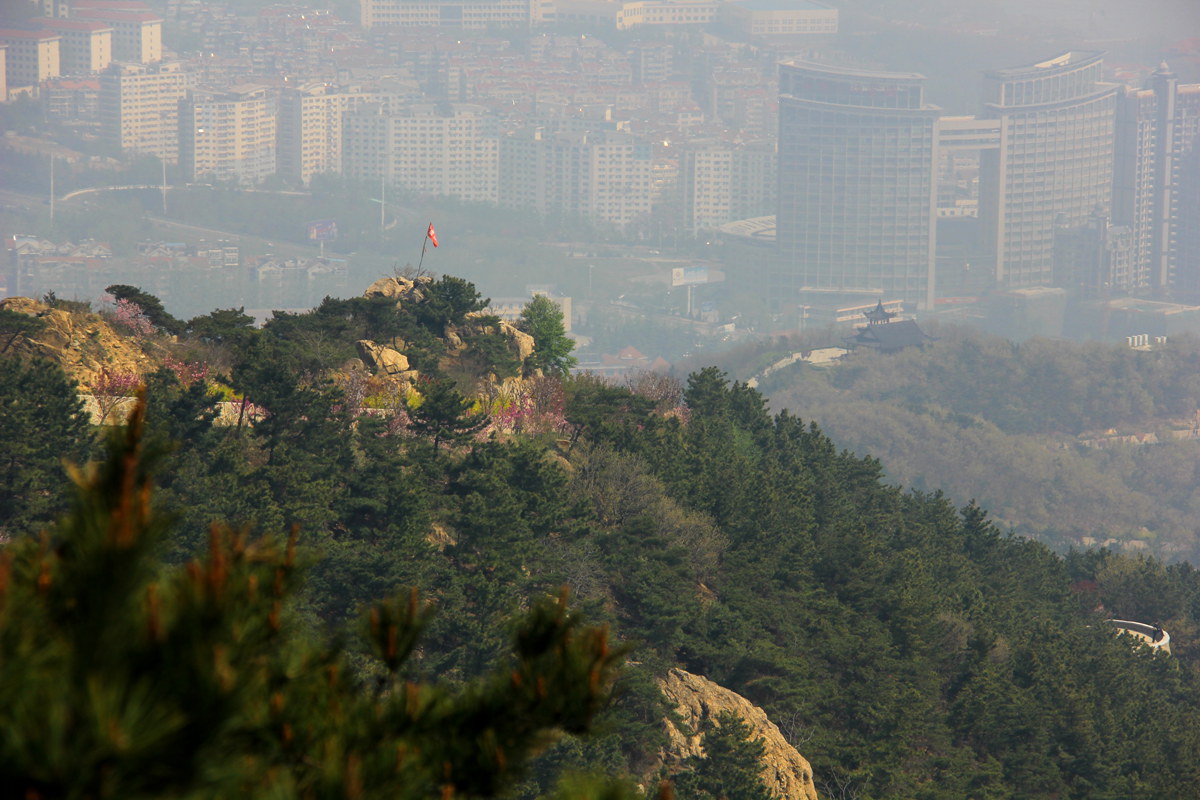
pixel 698 700
pixel 83 343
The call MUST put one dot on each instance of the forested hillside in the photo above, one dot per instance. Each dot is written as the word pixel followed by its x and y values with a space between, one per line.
pixel 1072 444
pixel 907 647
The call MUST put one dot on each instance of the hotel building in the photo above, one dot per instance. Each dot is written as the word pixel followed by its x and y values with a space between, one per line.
pixel 1054 164
pixel 857 195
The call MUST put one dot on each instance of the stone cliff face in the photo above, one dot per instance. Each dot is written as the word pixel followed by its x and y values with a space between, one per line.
pixel 83 343
pixel 697 700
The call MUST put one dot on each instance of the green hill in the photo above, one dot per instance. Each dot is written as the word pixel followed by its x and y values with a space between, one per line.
pixel 908 647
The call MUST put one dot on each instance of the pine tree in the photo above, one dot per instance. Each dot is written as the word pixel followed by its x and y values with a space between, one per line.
pixel 122 679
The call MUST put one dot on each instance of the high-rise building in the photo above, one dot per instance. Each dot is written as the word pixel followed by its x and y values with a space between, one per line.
pixel 1054 165
pixel 228 135
pixel 139 106
pixel 605 177
pixel 310 128
pixel 857 195
pixel 86 47
pixel 448 149
pixel 1156 175
pixel 31 56
pixel 723 181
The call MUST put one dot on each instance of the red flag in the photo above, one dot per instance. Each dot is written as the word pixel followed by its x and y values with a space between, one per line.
pixel 431 235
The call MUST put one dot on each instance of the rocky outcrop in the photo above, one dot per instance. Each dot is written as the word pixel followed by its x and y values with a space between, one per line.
pixel 402 290
pixel 385 362
pixel 698 700
pixel 83 343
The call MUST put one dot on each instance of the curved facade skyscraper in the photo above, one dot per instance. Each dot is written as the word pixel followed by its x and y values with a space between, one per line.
pixel 856 200
pixel 1054 165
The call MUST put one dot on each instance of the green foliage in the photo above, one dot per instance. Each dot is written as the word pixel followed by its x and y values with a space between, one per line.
pixel 447 302
pixel 949 418
pixel 232 326
pixel 730 767
pixel 444 415
pixel 14 325
pixel 543 320
pixel 124 680
pixel 42 424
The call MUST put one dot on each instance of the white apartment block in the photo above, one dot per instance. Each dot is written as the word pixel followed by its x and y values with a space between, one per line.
pixel 466 14
pixel 139 106
pixel 447 149
pixel 310 128
pixel 607 178
pixel 228 135
pixel 722 182
pixel 86 46
pixel 31 56
pixel 137 35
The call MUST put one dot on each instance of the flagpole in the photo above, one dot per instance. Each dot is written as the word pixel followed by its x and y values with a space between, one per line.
pixel 424 244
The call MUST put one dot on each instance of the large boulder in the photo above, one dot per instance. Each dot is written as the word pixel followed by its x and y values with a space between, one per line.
pixel 697 701
pixel 520 341
pixel 384 361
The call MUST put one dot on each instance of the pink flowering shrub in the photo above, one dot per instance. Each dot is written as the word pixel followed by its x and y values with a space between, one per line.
pixel 129 315
pixel 187 372
pixel 111 387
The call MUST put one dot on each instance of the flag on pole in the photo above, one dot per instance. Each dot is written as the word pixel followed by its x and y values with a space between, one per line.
pixel 431 235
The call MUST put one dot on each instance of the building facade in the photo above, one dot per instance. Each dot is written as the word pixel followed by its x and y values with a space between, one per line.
pixel 1155 181
pixel 723 181
pixel 447 149
pixel 466 14
pixel 604 177
pixel 86 46
pixel 137 35
pixel 139 106
pixel 30 56
pixel 1054 165
pixel 228 135
pixel 310 128
pixel 778 17
pixel 856 196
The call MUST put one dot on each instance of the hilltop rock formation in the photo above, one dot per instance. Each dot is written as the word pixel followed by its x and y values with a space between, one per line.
pixel 697 700
pixel 83 343
pixel 401 289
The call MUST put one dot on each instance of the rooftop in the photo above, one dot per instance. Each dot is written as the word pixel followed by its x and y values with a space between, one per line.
pixel 1072 59
pixel 851 72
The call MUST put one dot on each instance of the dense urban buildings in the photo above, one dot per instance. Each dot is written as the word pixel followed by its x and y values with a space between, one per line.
pixel 856 189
